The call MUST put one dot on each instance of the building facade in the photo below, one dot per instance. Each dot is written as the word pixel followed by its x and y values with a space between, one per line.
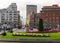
pixel 32 18
pixel 9 15
pixel 50 16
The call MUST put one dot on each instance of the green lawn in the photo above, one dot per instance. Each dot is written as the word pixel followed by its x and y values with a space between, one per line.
pixel 52 36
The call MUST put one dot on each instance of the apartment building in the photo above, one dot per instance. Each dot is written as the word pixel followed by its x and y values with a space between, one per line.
pixel 10 15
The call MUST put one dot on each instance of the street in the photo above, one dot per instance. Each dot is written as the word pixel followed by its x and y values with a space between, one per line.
pixel 19 30
pixel 30 41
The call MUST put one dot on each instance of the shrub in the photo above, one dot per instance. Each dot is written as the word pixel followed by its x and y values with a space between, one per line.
pixel 11 31
pixel 4 34
pixel 45 35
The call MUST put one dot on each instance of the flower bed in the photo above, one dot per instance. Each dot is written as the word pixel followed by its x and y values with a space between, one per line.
pixel 31 34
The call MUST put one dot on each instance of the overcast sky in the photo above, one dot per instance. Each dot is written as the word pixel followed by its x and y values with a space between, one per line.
pixel 21 4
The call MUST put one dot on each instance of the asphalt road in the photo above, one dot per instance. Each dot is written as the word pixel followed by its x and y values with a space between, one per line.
pixel 31 41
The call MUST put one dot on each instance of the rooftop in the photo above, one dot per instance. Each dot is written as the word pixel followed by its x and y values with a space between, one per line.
pixel 32 5
pixel 53 6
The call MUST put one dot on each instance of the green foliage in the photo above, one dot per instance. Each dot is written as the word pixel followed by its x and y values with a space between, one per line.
pixel 11 30
pixel 5 23
pixel 52 36
pixel 40 27
pixel 4 34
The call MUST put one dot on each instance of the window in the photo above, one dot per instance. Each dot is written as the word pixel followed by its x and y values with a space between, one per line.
pixel 3 14
pixel 53 14
pixel 7 11
pixel 6 19
pixel 10 11
pixel 10 14
pixel 3 19
pixel 46 14
pixel 53 18
pixel 57 19
pixel 46 19
pixel 50 20
pixel 13 7
pixel 53 21
pixel 14 14
pixel 10 19
pixel 15 11
pixel 15 19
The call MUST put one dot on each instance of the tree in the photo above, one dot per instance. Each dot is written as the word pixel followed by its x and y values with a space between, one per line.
pixel 11 31
pixel 5 26
pixel 40 27
pixel 11 28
